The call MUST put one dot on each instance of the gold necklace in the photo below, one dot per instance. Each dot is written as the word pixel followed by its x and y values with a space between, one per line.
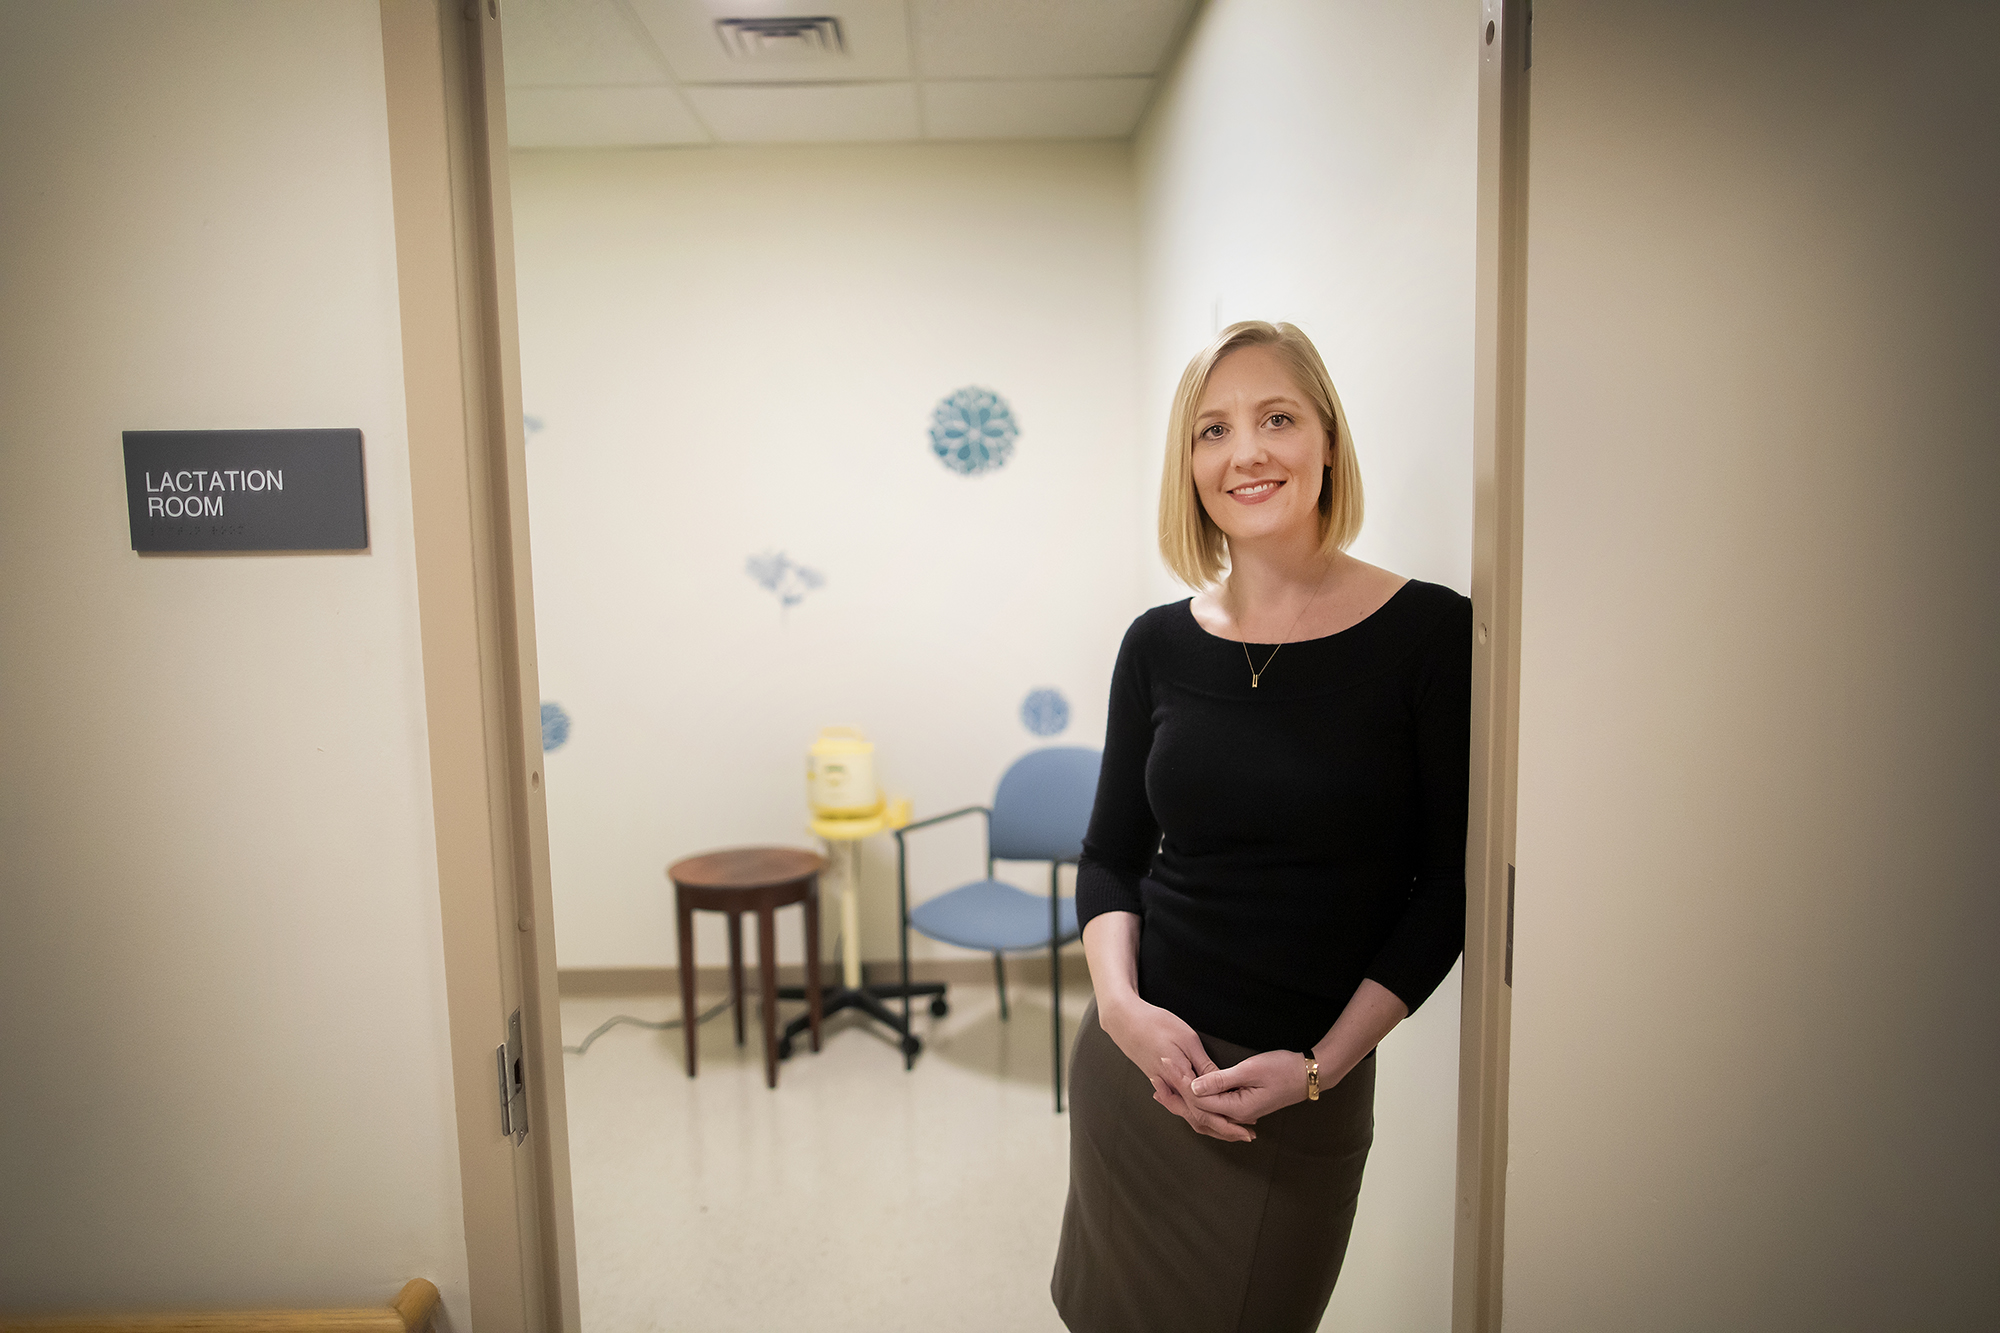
pixel 1257 671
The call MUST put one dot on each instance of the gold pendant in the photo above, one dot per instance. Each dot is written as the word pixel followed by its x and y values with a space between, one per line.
pixel 1253 679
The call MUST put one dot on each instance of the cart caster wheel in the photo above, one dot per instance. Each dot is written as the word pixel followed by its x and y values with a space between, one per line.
pixel 784 1048
pixel 939 1008
pixel 912 1045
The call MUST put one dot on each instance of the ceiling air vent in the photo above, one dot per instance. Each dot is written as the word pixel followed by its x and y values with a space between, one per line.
pixel 787 39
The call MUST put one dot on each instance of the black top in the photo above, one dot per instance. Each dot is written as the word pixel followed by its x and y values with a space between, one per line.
pixel 1314 827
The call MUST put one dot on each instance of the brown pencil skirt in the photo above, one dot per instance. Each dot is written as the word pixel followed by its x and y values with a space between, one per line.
pixel 1170 1231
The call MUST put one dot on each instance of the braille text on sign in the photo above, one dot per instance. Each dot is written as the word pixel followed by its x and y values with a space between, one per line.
pixel 245 490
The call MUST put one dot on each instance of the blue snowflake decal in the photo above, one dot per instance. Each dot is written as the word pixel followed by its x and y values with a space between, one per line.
pixel 555 726
pixel 1045 712
pixel 780 575
pixel 973 431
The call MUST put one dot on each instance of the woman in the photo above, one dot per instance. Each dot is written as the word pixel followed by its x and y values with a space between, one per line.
pixel 1274 875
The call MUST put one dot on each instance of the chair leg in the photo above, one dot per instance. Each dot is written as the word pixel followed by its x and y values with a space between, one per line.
pixel 903 958
pixel 1055 1018
pixel 1055 975
pixel 1000 983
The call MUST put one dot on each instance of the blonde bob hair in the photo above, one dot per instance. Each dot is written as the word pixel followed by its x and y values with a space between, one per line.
pixel 1193 546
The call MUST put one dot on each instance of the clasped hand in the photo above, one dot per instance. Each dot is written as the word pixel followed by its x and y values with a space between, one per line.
pixel 1221 1103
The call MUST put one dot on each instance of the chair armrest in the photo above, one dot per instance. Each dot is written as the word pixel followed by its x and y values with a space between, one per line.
pixel 939 819
pixel 902 857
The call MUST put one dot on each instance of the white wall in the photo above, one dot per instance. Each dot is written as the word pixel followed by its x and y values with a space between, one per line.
pixel 225 1044
pixel 1754 995
pixel 1316 163
pixel 731 352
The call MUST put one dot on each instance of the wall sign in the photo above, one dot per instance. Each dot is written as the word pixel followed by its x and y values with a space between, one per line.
pixel 245 490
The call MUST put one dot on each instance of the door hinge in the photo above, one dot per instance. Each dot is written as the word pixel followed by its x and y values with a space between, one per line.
pixel 513 1082
pixel 1510 926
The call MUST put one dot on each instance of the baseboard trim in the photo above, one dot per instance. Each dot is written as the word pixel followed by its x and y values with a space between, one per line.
pixel 1025 970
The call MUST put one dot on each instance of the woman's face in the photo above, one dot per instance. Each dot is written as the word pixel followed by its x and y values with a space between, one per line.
pixel 1259 450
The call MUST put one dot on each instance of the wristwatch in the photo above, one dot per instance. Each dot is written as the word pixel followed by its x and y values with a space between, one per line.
pixel 1312 1076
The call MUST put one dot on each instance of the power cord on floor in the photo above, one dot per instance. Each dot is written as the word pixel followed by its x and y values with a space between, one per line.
pixel 610 1023
pixel 665 1026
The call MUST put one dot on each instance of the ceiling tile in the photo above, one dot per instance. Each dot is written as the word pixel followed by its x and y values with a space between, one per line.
pixel 1027 39
pixel 808 112
pixel 599 118
pixel 1034 108
pixel 571 42
pixel 876 34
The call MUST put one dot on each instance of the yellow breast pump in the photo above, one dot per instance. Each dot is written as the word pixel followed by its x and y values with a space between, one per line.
pixel 847 807
pixel 840 775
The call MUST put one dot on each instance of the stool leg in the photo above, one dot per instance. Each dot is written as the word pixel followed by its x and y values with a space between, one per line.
pixel 736 970
pixel 767 976
pixel 812 962
pixel 686 922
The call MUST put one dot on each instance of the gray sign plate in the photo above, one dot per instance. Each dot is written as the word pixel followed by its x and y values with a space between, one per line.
pixel 245 490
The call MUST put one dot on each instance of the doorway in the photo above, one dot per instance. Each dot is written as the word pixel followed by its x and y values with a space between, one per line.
pixel 731 354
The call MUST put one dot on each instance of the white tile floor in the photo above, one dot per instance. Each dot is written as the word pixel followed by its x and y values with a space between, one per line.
pixel 853 1197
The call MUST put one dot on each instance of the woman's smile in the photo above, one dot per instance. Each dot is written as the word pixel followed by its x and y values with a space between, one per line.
pixel 1255 492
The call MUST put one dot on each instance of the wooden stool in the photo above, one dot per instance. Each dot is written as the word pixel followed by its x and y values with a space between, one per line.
pixel 749 879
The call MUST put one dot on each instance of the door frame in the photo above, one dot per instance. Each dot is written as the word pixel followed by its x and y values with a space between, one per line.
pixel 1485 1013
pixel 445 98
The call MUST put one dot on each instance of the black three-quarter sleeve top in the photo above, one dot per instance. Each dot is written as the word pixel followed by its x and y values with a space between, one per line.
pixel 1283 843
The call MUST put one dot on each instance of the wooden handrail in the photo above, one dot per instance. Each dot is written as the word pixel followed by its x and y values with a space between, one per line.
pixel 411 1313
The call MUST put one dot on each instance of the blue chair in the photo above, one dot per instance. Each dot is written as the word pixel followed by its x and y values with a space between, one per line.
pixel 1038 814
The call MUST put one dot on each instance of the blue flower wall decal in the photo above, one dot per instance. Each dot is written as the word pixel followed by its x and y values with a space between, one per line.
pixel 973 431
pixel 1045 712
pixel 555 726
pixel 531 424
pixel 780 575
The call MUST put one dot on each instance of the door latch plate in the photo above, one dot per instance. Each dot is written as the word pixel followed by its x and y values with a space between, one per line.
pixel 510 1059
